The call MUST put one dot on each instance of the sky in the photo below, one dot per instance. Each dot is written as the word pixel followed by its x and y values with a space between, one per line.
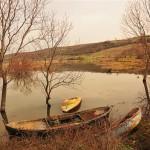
pixel 92 20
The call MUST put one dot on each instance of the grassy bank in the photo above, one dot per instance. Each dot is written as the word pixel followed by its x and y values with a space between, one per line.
pixel 127 59
pixel 111 56
pixel 87 139
pixel 80 140
pixel 139 139
pixel 124 65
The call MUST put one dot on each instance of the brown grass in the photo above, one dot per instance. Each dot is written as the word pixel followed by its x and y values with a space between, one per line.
pixel 87 139
pixel 123 58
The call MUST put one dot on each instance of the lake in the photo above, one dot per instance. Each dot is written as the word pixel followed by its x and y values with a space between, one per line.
pixel 96 89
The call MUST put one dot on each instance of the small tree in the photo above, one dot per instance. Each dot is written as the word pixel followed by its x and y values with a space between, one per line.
pixel 52 35
pixel 19 20
pixel 136 22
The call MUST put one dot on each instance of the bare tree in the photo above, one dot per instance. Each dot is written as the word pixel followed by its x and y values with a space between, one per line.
pixel 136 22
pixel 52 34
pixel 19 21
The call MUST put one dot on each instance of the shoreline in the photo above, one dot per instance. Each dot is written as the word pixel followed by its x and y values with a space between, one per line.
pixel 92 67
pixel 138 138
pixel 98 69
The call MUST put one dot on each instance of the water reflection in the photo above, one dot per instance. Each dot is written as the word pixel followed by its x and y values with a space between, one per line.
pixel 4 117
pixel 25 83
pixel 97 89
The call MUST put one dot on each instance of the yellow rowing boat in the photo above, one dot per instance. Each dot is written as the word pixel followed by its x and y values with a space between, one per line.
pixel 71 104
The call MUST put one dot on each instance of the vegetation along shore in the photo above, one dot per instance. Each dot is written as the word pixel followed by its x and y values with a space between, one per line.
pixel 118 56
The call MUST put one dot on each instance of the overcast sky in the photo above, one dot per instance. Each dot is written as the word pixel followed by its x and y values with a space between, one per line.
pixel 93 20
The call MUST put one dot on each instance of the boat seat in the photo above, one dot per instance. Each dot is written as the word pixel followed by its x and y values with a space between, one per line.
pixel 72 119
pixel 87 116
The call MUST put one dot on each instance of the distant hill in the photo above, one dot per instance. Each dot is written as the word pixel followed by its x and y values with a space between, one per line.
pixel 84 49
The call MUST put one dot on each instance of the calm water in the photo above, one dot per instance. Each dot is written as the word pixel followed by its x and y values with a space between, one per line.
pixel 96 89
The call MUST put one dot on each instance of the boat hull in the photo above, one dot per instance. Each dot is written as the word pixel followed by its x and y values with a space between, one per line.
pixel 13 130
pixel 128 124
pixel 75 104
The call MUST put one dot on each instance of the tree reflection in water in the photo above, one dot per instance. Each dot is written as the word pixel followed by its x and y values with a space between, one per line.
pixel 23 81
pixel 4 117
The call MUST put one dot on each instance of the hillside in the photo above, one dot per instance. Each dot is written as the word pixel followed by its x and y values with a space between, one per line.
pixel 92 47
pixel 109 56
pixel 83 49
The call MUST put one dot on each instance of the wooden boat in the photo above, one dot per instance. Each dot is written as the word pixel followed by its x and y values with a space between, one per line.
pixel 128 123
pixel 58 123
pixel 70 105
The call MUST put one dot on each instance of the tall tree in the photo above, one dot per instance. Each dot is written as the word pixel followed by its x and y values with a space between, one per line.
pixel 52 35
pixel 19 20
pixel 136 22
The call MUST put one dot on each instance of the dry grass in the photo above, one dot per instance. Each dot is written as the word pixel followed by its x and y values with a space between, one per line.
pixel 127 58
pixel 124 58
pixel 132 65
pixel 87 139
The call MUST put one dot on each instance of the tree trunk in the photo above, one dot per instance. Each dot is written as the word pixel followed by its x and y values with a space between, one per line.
pixel 48 110
pixel 48 106
pixel 4 116
pixel 146 90
pixel 145 80
pixel 47 99
pixel 3 96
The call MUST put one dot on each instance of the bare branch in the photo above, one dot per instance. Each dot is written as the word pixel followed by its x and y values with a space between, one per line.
pixel 52 35
pixel 19 21
pixel 136 21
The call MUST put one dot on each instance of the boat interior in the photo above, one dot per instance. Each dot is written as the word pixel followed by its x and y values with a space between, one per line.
pixel 132 113
pixel 64 120
pixel 76 118
pixel 42 124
